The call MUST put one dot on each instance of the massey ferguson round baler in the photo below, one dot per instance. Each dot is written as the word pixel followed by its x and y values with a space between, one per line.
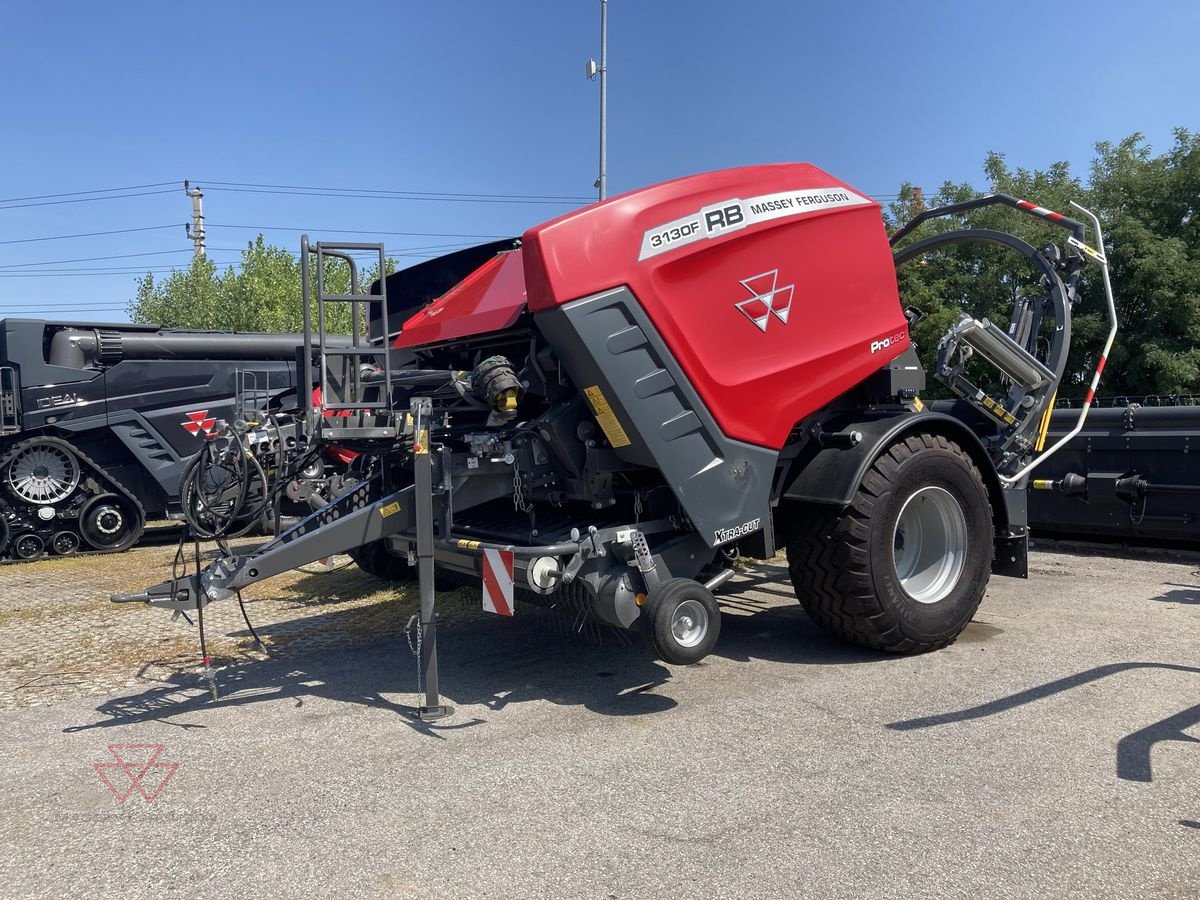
pixel 604 414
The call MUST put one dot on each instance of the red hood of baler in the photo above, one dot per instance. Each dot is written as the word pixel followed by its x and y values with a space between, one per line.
pixel 491 298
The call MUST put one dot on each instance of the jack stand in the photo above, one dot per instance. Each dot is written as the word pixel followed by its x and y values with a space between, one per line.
pixel 432 709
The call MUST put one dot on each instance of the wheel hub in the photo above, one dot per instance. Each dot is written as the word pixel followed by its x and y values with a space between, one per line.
pixel 689 623
pixel 43 474
pixel 929 545
pixel 108 520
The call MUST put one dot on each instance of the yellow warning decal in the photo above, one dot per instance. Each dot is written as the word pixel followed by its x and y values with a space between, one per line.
pixel 390 510
pixel 606 418
pixel 917 404
pixel 1042 484
pixel 999 411
pixel 421 444
pixel 468 545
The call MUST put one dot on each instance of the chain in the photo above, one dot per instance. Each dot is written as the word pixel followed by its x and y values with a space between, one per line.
pixel 416 651
pixel 637 507
pixel 519 493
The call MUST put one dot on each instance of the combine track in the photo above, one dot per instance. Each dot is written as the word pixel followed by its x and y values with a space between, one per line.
pixel 56 501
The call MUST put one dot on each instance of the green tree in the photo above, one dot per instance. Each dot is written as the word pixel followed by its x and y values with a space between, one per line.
pixel 262 294
pixel 1147 206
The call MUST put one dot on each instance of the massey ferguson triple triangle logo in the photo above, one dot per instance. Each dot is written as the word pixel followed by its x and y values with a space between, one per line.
pixel 766 299
pixel 198 422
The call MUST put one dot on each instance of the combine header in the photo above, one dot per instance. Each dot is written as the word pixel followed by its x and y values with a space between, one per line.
pixel 607 412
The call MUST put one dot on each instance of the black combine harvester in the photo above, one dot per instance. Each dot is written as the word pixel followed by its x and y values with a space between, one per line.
pixel 99 425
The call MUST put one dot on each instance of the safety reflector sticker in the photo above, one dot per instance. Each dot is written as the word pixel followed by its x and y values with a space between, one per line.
pixel 605 417
pixel 498 582
pixel 731 215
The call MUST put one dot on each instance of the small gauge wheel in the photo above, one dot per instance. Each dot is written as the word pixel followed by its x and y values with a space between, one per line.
pixel 28 546
pixel 64 543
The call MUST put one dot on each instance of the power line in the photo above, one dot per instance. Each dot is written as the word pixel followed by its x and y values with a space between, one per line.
pixel 54 262
pixel 63 237
pixel 316 230
pixel 131 187
pixel 84 199
pixel 65 304
pixel 18 272
pixel 366 196
pixel 223 185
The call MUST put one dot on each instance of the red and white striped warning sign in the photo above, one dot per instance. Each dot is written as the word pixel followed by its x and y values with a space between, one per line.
pixel 498 582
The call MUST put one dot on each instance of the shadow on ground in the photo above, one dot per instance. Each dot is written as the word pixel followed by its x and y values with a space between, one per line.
pixel 1133 750
pixel 1179 593
pixel 491 662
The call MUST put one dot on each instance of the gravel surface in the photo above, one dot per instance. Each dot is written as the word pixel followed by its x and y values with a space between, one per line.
pixel 61 636
pixel 1053 751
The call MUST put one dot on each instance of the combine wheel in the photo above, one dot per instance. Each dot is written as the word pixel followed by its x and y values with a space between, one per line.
pixel 681 621
pixel 107 522
pixel 5 532
pixel 28 546
pixel 64 543
pixel 43 473
pixel 904 566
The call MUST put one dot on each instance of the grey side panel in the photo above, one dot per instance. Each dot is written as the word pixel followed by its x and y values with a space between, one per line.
pixel 608 341
pixel 156 456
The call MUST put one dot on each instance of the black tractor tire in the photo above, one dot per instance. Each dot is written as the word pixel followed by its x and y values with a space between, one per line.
pixel 374 559
pixel 681 621
pixel 848 565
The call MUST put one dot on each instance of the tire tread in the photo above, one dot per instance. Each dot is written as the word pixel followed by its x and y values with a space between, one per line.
pixel 828 554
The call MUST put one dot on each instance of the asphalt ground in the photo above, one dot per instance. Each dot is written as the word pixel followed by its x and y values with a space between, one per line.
pixel 1053 751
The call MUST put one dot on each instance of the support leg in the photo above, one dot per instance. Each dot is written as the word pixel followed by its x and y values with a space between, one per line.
pixel 432 707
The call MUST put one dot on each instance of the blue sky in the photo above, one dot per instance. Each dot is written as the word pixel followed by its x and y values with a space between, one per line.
pixel 491 97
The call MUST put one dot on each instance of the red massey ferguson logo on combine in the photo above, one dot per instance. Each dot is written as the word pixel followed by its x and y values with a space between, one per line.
pixel 198 422
pixel 766 299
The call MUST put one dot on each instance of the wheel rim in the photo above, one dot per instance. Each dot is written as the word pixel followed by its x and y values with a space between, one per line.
pixel 65 543
pixel 28 546
pixel 689 623
pixel 929 544
pixel 105 522
pixel 43 473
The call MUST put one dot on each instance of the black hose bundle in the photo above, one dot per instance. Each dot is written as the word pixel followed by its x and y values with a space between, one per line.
pixel 215 489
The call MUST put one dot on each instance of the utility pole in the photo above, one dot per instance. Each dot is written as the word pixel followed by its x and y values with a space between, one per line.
pixel 195 230
pixel 602 70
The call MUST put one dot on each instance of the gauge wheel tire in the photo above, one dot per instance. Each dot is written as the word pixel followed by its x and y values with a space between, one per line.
pixel 28 546
pixel 64 543
pixel 681 621
pixel 108 522
pixel 903 568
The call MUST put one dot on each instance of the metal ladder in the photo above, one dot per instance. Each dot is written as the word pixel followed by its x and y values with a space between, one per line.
pixel 343 389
